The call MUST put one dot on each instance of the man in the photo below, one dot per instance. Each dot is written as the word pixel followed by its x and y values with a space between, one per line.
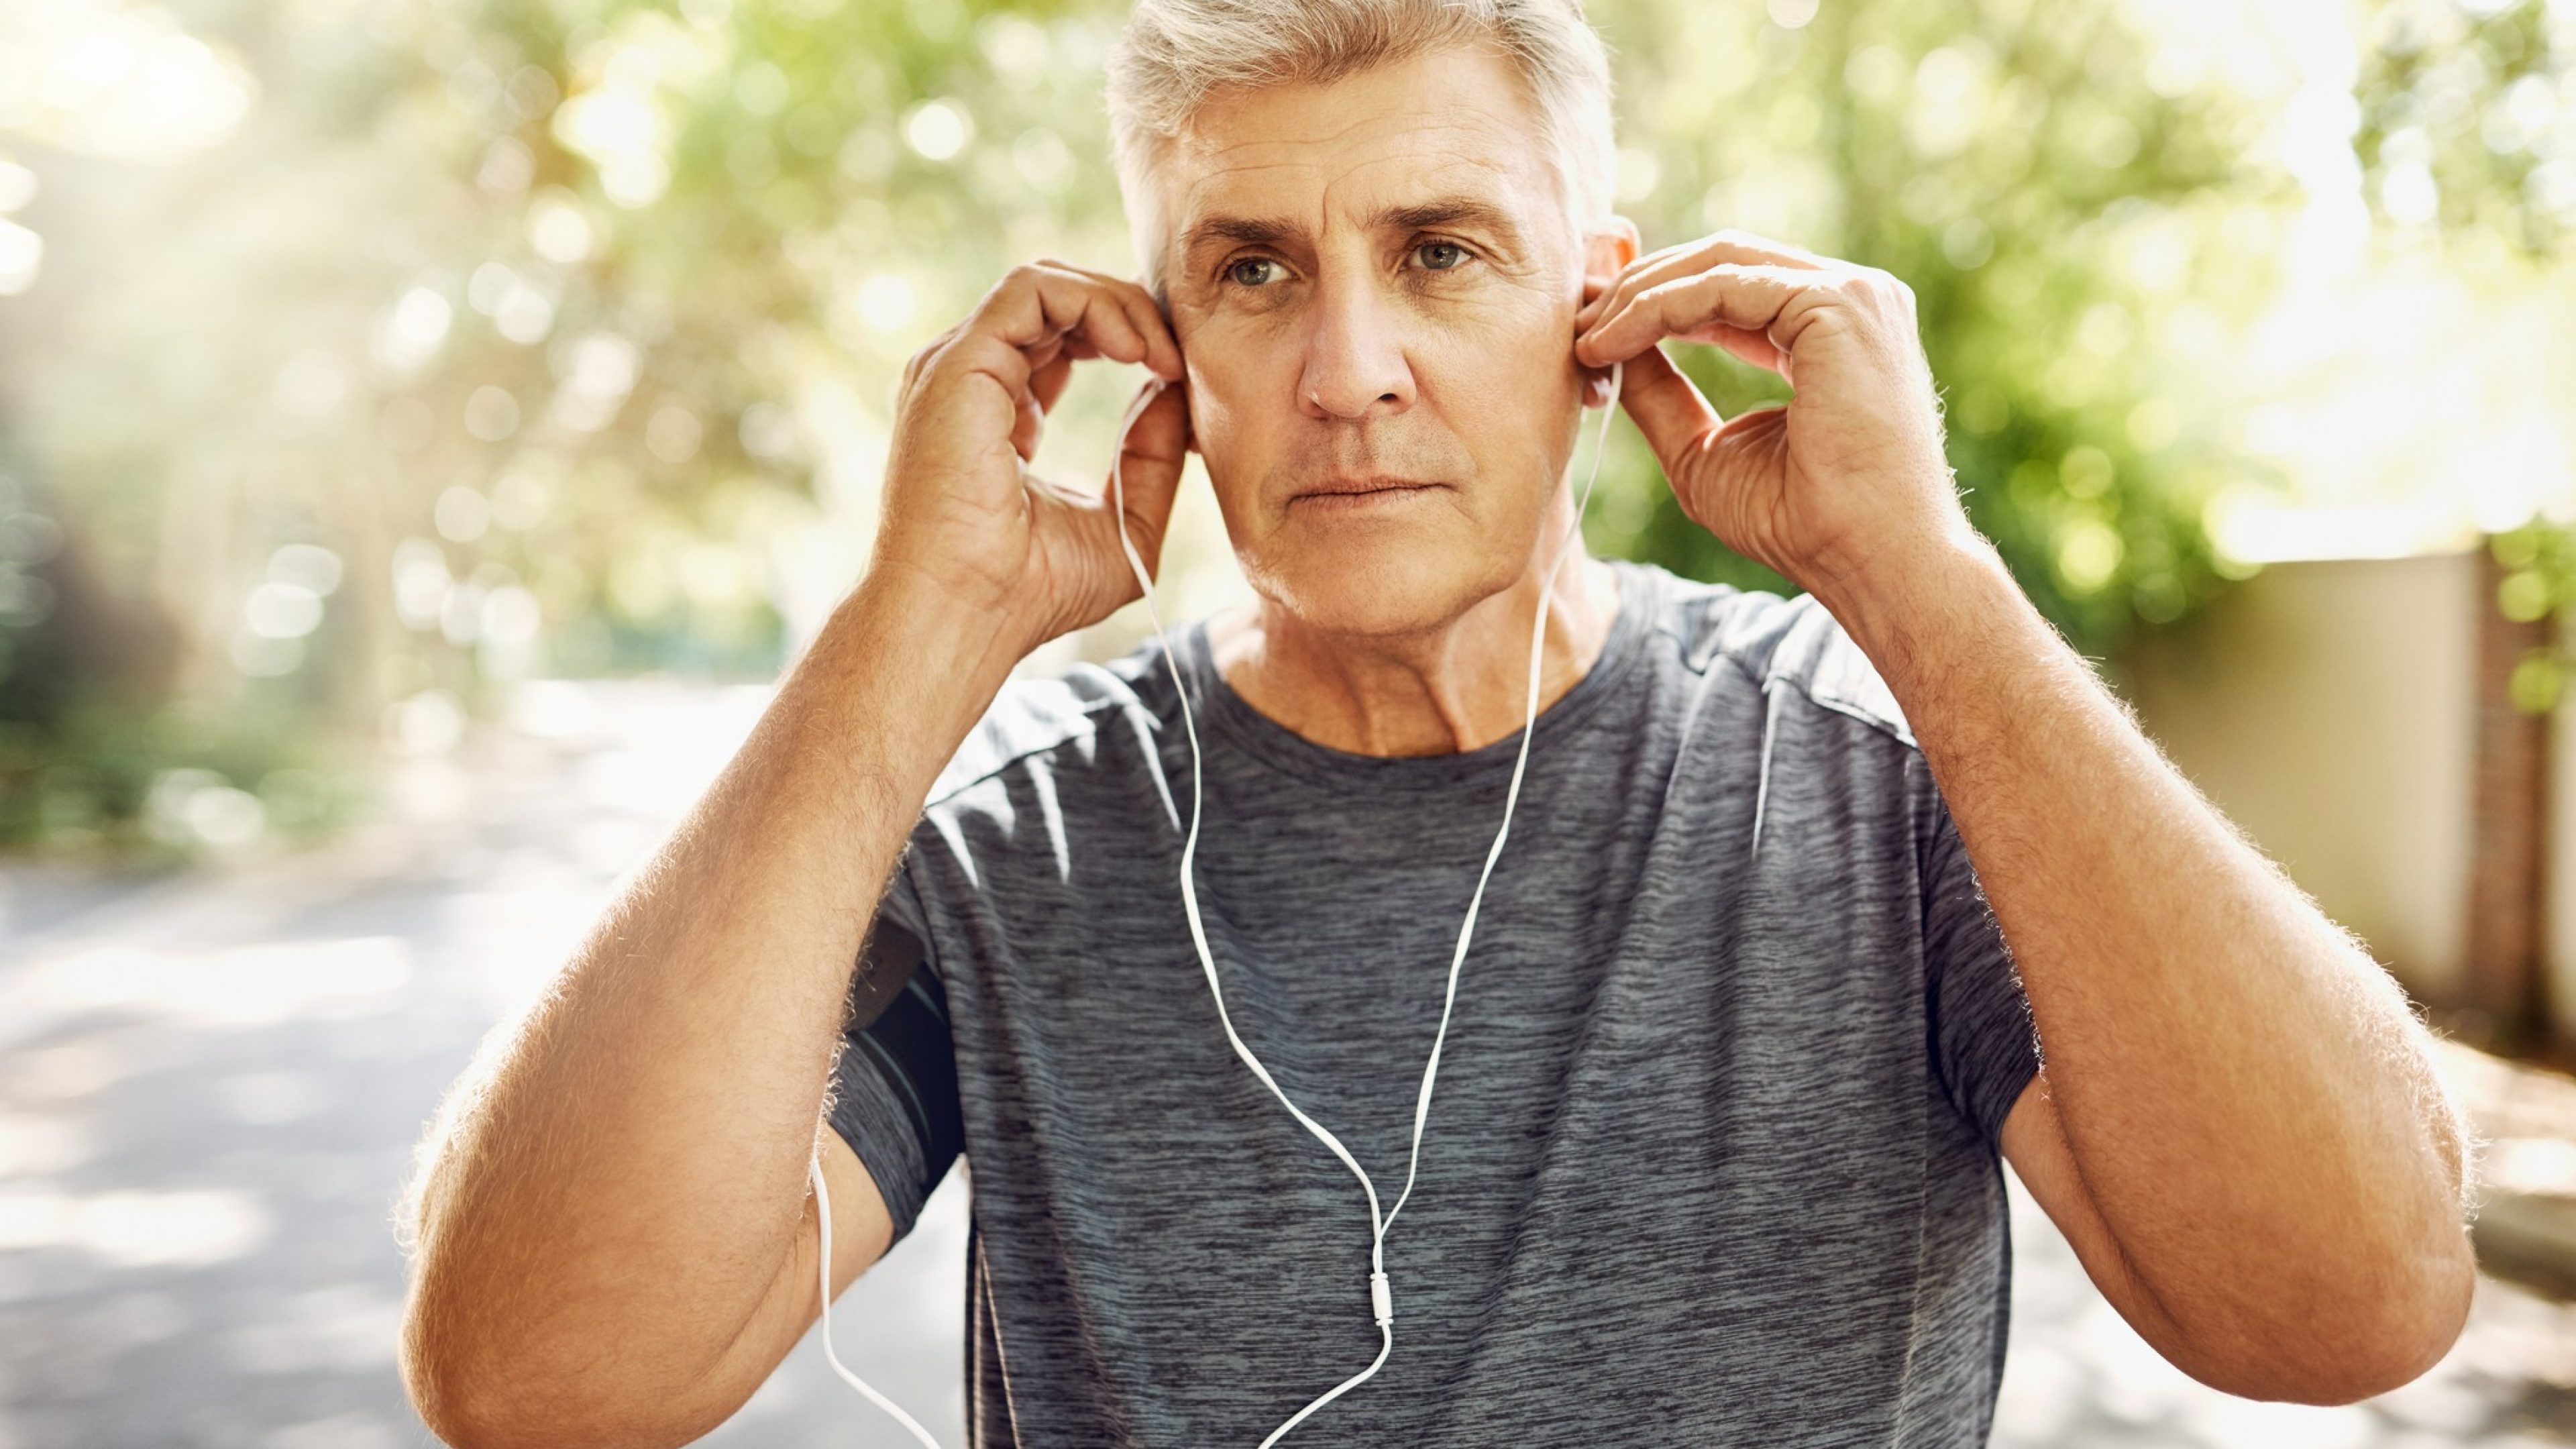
pixel 1738 1041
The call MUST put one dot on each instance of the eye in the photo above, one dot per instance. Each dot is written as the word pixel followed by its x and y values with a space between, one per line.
pixel 1243 271
pixel 1441 256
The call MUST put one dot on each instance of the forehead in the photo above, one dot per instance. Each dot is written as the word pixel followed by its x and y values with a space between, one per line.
pixel 1451 123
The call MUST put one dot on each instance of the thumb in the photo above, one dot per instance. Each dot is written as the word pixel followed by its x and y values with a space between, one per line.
pixel 1667 406
pixel 1150 460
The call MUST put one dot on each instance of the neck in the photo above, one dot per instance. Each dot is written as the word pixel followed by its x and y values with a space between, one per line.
pixel 1457 687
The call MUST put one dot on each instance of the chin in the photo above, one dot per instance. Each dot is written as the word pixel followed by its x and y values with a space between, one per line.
pixel 1398 582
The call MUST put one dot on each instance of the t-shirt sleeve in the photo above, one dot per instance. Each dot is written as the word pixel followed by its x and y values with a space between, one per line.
pixel 894 1096
pixel 1983 1043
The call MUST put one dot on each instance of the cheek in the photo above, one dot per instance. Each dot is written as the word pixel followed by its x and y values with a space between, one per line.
pixel 1233 380
pixel 1512 337
pixel 1503 383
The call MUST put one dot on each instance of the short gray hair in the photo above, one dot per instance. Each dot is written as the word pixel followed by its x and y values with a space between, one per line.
pixel 1175 53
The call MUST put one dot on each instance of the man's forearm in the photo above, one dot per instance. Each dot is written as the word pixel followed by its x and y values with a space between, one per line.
pixel 2243 1090
pixel 606 1212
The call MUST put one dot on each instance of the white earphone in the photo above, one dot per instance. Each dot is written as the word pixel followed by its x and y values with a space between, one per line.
pixel 1381 1292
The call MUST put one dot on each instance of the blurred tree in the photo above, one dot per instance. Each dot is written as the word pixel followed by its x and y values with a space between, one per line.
pixel 477 338
pixel 2467 133
pixel 2468 118
pixel 2083 217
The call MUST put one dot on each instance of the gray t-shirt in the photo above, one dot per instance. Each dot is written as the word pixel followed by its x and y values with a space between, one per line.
pixel 1712 1155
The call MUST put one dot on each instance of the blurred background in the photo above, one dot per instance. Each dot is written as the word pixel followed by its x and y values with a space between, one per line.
pixel 426 425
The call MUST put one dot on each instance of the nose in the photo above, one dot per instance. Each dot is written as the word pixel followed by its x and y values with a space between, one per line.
pixel 1355 362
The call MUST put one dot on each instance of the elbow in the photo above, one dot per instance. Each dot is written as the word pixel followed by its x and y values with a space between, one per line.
pixel 2348 1342
pixel 467 1401
pixel 471 1410
pixel 2405 1326
pixel 478 1393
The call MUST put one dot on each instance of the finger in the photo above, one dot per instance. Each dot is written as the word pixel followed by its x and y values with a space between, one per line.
pixel 1761 299
pixel 1039 304
pixel 1048 382
pixel 1026 429
pixel 1739 247
pixel 1163 353
pixel 1633 278
pixel 1149 473
pixel 1595 287
pixel 1667 407
pixel 1734 244
pixel 1032 318
pixel 1752 347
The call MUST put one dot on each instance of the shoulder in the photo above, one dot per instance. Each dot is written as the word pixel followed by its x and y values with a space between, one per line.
pixel 1775 643
pixel 1044 714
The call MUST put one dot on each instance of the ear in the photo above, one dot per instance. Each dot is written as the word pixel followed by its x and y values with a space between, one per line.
pixel 1607 250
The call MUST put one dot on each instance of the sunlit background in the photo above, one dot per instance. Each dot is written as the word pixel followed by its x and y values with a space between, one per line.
pixel 425 426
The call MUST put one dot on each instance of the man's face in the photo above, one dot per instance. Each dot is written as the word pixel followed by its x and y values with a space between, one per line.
pixel 1374 284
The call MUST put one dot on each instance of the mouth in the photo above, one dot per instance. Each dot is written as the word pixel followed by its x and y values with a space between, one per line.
pixel 1351 494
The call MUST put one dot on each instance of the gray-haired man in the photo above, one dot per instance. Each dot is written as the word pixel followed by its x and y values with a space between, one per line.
pixel 1738 1044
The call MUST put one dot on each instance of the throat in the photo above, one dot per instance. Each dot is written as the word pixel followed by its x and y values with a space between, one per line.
pixel 1447 691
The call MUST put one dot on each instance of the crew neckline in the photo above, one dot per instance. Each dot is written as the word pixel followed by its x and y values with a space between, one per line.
pixel 1225 713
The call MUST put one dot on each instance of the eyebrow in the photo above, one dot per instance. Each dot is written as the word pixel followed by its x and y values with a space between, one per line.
pixel 1461 212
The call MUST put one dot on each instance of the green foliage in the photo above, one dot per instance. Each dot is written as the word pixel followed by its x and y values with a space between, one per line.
pixel 508 337
pixel 2468 131
pixel 2465 118
pixel 95 756
pixel 2539 559
pixel 2074 224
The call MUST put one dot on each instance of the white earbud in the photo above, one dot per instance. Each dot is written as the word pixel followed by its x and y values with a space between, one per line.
pixel 1380 1289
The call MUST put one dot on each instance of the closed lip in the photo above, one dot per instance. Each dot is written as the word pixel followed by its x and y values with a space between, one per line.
pixel 1374 483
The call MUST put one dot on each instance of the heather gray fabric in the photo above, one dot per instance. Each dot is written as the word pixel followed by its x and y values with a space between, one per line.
pixel 1711 1158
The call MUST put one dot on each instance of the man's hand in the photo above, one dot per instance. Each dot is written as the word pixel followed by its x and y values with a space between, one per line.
pixel 1850 469
pixel 962 511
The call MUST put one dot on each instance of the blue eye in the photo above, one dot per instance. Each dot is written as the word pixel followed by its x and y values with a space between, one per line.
pixel 1234 271
pixel 1456 254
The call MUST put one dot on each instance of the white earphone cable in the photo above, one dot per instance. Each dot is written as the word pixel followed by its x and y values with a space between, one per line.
pixel 1381 1294
pixel 823 1231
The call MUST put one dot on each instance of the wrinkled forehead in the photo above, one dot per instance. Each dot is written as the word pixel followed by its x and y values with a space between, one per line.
pixel 1297 165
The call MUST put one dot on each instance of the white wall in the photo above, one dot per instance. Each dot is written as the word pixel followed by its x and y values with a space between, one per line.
pixel 2328 708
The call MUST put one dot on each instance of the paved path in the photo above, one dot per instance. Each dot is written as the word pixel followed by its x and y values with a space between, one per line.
pixel 210 1085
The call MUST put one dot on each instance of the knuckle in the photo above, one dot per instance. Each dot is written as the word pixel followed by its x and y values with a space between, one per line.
pixel 919 362
pixel 1020 278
